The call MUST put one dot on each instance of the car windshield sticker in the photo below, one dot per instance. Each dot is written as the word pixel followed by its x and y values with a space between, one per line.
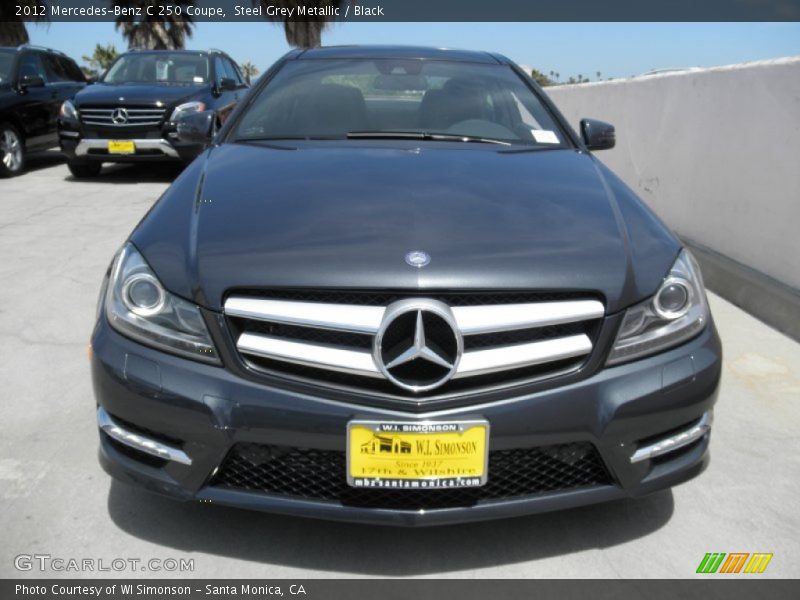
pixel 544 136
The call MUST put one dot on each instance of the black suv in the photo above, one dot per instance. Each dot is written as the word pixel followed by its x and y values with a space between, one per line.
pixel 130 114
pixel 34 82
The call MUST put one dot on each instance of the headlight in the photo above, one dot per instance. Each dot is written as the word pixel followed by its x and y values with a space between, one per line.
pixel 186 108
pixel 137 305
pixel 68 111
pixel 677 312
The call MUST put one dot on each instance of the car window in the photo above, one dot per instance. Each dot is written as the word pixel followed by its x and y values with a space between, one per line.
pixel 331 98
pixel 6 62
pixel 220 71
pixel 56 70
pixel 31 65
pixel 176 68
pixel 72 70
pixel 233 72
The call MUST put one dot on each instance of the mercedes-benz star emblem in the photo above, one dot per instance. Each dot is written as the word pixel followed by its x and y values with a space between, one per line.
pixel 418 345
pixel 418 258
pixel 119 116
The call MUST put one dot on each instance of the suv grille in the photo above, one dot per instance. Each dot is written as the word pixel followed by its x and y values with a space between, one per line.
pixel 352 338
pixel 321 475
pixel 133 116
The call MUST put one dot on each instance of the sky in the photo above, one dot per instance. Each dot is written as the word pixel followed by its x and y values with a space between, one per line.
pixel 570 49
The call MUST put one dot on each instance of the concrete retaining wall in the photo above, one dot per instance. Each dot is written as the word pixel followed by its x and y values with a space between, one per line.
pixel 715 152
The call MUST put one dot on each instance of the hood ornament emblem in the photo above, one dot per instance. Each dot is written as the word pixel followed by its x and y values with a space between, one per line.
pixel 119 116
pixel 418 259
pixel 418 346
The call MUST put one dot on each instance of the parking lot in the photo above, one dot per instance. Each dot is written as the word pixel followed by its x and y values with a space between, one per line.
pixel 57 236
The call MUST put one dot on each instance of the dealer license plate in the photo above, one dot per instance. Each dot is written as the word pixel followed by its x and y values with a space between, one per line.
pixel 121 147
pixel 421 455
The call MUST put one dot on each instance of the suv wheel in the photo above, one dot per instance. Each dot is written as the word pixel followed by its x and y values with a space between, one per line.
pixel 12 151
pixel 84 170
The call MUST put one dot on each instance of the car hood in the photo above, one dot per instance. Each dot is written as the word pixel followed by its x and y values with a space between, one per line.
pixel 344 215
pixel 101 93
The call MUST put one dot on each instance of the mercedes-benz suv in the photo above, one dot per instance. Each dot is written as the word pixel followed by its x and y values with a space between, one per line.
pixel 399 288
pixel 129 115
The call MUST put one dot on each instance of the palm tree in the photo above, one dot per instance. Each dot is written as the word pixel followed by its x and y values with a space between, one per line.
pixel 305 31
pixel 249 70
pixel 168 32
pixel 101 58
pixel 12 27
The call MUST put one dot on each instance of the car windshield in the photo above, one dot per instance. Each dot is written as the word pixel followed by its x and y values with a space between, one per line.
pixel 176 68
pixel 387 98
pixel 6 59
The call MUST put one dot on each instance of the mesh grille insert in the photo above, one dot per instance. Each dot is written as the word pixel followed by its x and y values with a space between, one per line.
pixel 321 475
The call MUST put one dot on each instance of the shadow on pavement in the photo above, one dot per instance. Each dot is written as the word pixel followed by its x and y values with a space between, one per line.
pixel 373 550
pixel 43 160
pixel 154 172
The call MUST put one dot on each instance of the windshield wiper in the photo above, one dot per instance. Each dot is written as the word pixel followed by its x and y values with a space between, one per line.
pixel 421 135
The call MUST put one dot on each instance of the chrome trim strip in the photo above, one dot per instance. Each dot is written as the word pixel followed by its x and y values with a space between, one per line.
pixel 312 355
pixel 474 320
pixel 341 317
pixel 83 147
pixel 676 441
pixel 69 134
pixel 480 362
pixel 129 124
pixel 139 442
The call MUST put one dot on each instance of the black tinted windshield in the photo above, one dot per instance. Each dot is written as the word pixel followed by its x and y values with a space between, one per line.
pixel 6 60
pixel 334 98
pixel 164 67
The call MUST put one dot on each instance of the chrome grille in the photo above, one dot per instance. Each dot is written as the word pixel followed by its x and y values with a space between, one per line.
pixel 134 116
pixel 331 341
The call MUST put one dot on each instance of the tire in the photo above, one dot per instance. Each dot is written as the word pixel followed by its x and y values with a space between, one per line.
pixel 84 170
pixel 12 151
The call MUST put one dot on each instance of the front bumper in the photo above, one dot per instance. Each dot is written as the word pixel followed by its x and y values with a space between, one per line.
pixel 80 144
pixel 202 411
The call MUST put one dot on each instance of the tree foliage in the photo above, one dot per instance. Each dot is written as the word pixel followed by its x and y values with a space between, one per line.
pixel 304 31
pixel 540 78
pixel 101 59
pixel 161 31
pixel 12 27
pixel 249 69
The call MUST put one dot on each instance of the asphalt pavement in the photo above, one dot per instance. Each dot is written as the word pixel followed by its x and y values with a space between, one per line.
pixel 57 236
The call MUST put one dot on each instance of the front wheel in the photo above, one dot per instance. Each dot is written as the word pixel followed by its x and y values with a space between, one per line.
pixel 84 170
pixel 12 151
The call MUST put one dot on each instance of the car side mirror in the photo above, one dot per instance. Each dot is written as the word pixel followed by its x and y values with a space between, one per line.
pixel 197 127
pixel 226 84
pixel 598 135
pixel 29 81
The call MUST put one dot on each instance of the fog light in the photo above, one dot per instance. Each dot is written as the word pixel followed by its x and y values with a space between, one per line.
pixel 143 295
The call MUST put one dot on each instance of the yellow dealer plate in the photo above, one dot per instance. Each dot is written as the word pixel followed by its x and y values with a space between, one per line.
pixel 121 147
pixel 417 455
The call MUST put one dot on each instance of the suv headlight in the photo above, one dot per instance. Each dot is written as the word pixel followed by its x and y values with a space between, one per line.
pixel 137 305
pixel 186 108
pixel 68 111
pixel 677 312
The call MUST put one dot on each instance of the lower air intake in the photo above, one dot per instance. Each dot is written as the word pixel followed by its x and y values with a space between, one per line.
pixel 320 475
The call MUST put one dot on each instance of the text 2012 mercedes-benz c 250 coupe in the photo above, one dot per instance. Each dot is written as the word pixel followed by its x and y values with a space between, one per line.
pixel 398 288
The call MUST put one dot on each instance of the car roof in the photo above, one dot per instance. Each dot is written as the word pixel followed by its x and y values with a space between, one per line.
pixel 408 52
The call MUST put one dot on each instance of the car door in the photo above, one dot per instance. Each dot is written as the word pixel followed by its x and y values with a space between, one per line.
pixel 35 110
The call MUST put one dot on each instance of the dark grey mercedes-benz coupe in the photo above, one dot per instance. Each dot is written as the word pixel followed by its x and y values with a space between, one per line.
pixel 398 288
